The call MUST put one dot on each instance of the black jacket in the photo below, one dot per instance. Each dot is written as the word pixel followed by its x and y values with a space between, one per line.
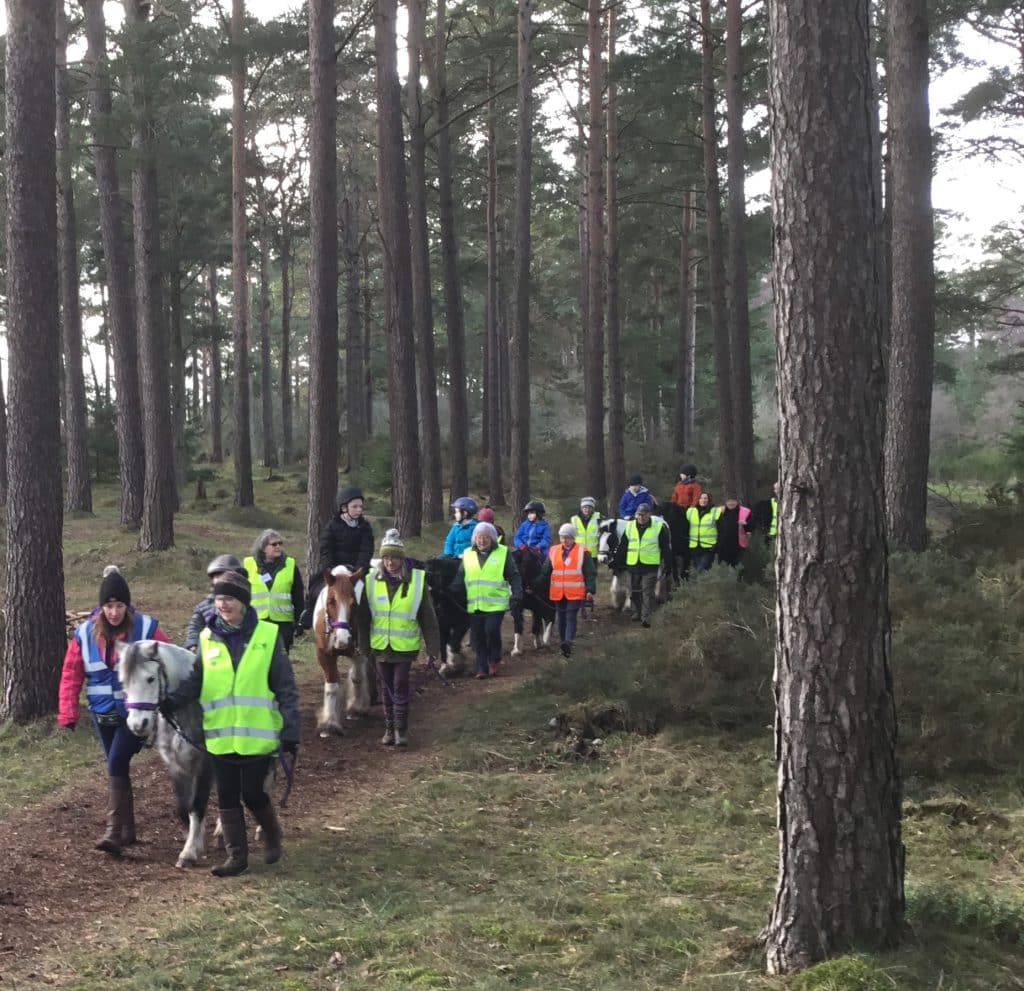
pixel 344 544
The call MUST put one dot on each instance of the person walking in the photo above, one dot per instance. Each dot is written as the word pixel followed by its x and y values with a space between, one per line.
pixel 643 551
pixel 460 535
pixel 588 524
pixel 244 683
pixel 347 539
pixel 204 609
pixel 687 490
pixel 534 531
pixel 636 494
pixel 572 575
pixel 703 533
pixel 91 659
pixel 733 531
pixel 277 591
pixel 397 619
pixel 490 581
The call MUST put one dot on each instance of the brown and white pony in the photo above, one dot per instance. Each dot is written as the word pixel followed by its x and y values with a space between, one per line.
pixel 334 630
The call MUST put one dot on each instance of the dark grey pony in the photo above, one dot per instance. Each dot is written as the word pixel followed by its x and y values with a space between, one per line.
pixel 148 671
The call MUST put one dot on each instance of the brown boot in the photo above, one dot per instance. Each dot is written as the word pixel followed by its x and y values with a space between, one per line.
pixel 236 842
pixel 267 818
pixel 117 807
pixel 128 837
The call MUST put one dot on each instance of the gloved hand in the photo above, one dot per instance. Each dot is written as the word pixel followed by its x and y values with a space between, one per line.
pixel 590 596
pixel 166 707
pixel 289 747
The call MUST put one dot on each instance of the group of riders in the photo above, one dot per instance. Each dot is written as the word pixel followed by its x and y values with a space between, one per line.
pixel 243 630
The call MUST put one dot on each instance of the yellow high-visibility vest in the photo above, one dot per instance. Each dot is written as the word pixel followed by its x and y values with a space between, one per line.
pixel 486 588
pixel 643 548
pixel 394 619
pixel 274 603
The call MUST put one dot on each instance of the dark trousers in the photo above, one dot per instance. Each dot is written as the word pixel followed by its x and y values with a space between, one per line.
pixel 120 745
pixel 393 679
pixel 485 635
pixel 568 611
pixel 242 779
pixel 702 557
pixel 642 585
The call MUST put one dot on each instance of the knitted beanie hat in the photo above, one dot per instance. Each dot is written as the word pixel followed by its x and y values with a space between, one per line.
pixel 487 529
pixel 114 586
pixel 233 584
pixel 486 515
pixel 392 544
pixel 636 480
pixel 567 530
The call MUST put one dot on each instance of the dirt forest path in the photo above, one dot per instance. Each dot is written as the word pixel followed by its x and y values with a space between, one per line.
pixel 56 890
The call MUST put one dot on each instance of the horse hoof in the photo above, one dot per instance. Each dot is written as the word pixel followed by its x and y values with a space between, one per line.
pixel 184 863
pixel 516 652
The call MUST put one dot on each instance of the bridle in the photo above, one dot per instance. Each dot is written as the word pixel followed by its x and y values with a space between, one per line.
pixel 163 686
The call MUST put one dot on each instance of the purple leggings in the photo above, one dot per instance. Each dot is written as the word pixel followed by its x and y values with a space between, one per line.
pixel 393 679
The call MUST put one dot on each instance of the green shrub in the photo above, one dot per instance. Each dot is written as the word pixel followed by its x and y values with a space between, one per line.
pixel 852 972
pixel 977 912
pixel 376 470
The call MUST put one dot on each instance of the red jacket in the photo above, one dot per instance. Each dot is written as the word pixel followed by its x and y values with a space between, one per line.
pixel 72 677
pixel 686 494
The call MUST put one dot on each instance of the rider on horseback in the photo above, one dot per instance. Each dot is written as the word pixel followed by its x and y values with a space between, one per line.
pixel 460 536
pixel 534 530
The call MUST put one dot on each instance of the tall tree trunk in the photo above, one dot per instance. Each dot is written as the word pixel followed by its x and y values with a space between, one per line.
pixel 739 310
pixel 493 383
pixel 216 377
pixel 244 495
pixel 323 274
pixel 3 443
pixel 683 439
pixel 423 307
pixel 116 254
pixel 33 629
pixel 912 330
pixel 266 371
pixel 76 435
pixel 367 341
pixel 177 374
pixel 354 390
pixel 287 437
pixel 519 356
pixel 584 235
pixel 593 359
pixel 841 865
pixel 716 258
pixel 458 407
pixel 616 378
pixel 159 494
pixel 393 203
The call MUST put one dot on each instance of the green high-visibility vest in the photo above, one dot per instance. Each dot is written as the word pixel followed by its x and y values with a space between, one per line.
pixel 774 528
pixel 703 529
pixel 274 603
pixel 486 588
pixel 240 712
pixel 394 619
pixel 588 535
pixel 643 547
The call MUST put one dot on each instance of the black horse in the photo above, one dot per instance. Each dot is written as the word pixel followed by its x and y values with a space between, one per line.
pixel 530 562
pixel 450 607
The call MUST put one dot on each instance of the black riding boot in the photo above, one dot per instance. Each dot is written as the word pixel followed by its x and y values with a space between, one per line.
pixel 117 808
pixel 267 818
pixel 236 842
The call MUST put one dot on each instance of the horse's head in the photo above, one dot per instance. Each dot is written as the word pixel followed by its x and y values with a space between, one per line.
pixel 144 680
pixel 338 601
pixel 609 532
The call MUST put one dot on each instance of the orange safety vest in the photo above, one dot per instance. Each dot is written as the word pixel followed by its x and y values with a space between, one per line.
pixel 567 576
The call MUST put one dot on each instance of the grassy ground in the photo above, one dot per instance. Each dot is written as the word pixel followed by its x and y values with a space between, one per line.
pixel 509 862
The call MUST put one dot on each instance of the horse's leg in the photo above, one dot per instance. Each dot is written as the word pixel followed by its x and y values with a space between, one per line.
pixel 518 625
pixel 330 713
pixel 359 686
pixel 620 593
pixel 195 773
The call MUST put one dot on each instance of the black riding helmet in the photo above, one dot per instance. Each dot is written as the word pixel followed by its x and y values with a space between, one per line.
pixel 346 495
pixel 535 506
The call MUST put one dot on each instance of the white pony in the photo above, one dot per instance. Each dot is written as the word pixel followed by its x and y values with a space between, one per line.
pixel 148 670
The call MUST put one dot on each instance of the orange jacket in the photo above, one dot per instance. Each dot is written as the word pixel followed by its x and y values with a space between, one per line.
pixel 686 494
pixel 567 576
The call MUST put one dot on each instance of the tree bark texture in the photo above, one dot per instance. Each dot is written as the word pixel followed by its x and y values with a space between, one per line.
pixel 355 399
pixel 616 372
pixel 367 340
pixel 423 306
pixel 458 405
pixel 841 858
pixel 912 328
pixel 266 369
pixel 593 358
pixel 216 374
pixel 76 435
pixel 683 439
pixel 739 307
pixel 716 256
pixel 3 445
pixel 323 274
pixel 116 254
pixel 493 386
pixel 159 494
pixel 33 631
pixel 287 437
pixel 244 495
pixel 393 203
pixel 179 398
